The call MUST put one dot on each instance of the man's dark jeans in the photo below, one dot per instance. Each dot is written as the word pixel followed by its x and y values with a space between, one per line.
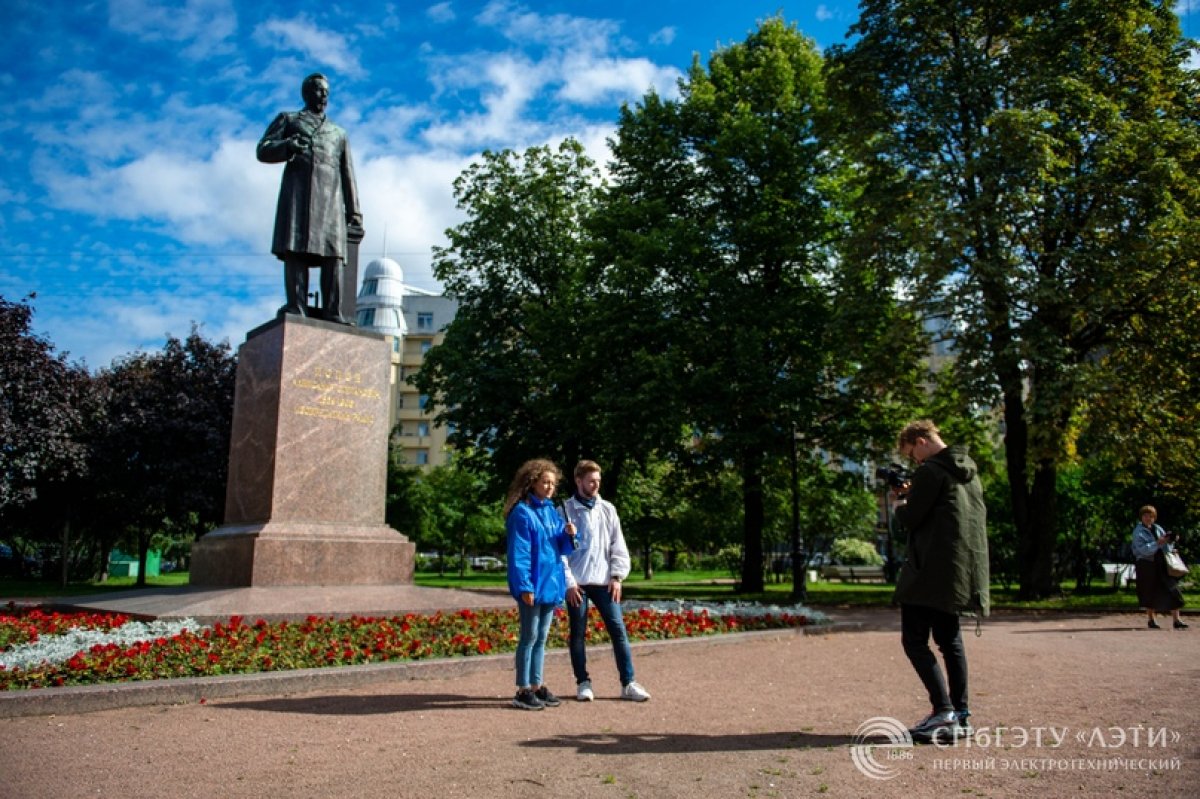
pixel 917 623
pixel 610 614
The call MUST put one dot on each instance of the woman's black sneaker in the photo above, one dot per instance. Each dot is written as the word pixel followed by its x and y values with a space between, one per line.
pixel 544 696
pixel 527 700
pixel 1180 625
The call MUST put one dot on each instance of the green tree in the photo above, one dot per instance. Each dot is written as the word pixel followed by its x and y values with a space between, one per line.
pixel 41 414
pixel 1032 173
pixel 47 408
pixel 516 372
pixel 162 458
pixel 717 241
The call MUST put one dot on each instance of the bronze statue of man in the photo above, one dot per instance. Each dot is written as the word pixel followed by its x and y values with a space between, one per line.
pixel 318 198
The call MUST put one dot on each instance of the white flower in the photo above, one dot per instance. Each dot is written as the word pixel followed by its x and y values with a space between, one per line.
pixel 53 649
pixel 722 609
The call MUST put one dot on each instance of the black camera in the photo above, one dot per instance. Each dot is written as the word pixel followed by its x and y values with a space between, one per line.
pixel 895 476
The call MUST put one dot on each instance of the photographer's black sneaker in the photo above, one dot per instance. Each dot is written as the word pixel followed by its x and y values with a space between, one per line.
pixel 935 725
pixel 527 700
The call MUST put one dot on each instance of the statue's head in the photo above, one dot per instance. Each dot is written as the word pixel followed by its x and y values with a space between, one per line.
pixel 315 91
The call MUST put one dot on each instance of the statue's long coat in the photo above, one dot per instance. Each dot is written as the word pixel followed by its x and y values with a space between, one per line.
pixel 318 193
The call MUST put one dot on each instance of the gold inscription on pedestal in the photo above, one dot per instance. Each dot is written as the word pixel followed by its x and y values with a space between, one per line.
pixel 339 393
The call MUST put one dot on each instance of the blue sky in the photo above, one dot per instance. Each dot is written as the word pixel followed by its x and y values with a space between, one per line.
pixel 131 201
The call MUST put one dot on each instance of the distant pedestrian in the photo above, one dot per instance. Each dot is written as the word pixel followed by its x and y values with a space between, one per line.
pixel 538 542
pixel 945 572
pixel 1158 591
pixel 597 566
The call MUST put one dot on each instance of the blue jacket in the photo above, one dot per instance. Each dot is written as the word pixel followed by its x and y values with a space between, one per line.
pixel 537 543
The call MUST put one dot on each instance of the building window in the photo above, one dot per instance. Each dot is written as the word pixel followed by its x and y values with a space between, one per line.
pixel 422 457
pixel 423 429
pixel 395 343
pixel 366 317
pixel 424 321
pixel 423 401
pixel 370 287
pixel 426 346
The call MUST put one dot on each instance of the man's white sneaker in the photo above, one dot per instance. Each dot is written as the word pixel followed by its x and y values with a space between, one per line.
pixel 635 693
pixel 583 691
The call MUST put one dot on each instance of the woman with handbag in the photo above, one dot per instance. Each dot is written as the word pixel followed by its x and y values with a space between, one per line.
pixel 1158 591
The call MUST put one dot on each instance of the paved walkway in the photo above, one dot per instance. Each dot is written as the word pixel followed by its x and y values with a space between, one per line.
pixel 1066 705
pixel 209 605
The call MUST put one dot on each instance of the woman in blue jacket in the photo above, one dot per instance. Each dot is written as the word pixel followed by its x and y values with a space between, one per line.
pixel 538 543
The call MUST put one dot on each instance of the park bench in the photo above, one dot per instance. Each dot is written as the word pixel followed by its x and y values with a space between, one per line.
pixel 854 573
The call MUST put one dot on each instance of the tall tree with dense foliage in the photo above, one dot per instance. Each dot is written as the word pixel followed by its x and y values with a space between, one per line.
pixel 526 359
pixel 719 238
pixel 163 456
pixel 47 406
pixel 1033 180
pixel 41 418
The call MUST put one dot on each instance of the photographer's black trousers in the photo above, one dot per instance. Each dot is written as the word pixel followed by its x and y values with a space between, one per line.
pixel 917 623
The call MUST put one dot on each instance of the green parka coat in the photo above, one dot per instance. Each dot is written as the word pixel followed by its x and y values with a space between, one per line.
pixel 946 566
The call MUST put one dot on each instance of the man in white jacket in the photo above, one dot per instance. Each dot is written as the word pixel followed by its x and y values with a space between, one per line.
pixel 597 566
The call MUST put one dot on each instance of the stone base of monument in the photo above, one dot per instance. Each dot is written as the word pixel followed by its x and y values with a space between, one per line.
pixel 300 554
pixel 304 503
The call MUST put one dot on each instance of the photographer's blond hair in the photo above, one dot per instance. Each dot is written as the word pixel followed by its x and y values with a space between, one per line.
pixel 922 428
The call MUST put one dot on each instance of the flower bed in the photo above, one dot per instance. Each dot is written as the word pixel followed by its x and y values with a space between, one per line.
pixel 37 649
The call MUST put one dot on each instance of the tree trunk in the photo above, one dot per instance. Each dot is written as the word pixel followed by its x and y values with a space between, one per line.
pixel 66 548
pixel 143 545
pixel 799 573
pixel 1043 529
pixel 752 523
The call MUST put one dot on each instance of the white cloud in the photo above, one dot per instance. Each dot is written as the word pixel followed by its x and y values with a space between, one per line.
pixel 410 201
pixel 594 81
pixel 319 45
pixel 75 89
pixel 824 13
pixel 555 30
pixel 518 89
pixel 441 13
pixel 506 84
pixel 663 36
pixel 116 325
pixel 225 198
pixel 206 24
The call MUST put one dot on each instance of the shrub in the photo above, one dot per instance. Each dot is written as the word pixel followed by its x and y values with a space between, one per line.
pixel 855 552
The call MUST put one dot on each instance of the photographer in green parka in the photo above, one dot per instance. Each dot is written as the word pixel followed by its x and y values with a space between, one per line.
pixel 945 572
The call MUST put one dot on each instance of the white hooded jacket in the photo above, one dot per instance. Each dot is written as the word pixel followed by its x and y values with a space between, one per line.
pixel 600 551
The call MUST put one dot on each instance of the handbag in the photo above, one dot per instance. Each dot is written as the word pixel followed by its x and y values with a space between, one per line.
pixel 1175 565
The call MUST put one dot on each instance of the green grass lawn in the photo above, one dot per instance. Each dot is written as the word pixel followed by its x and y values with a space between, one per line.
pixel 16 588
pixel 708 586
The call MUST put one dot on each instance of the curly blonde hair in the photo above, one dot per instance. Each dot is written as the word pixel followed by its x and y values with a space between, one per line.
pixel 526 476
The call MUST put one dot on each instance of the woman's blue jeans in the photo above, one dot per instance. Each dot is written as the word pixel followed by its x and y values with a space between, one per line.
pixel 531 645
pixel 610 614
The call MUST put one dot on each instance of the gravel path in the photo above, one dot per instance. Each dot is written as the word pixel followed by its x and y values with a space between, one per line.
pixel 755 716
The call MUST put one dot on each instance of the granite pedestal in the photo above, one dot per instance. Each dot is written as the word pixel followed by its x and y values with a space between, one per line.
pixel 307 483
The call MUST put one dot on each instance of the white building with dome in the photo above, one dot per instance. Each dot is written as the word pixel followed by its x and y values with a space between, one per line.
pixel 415 320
